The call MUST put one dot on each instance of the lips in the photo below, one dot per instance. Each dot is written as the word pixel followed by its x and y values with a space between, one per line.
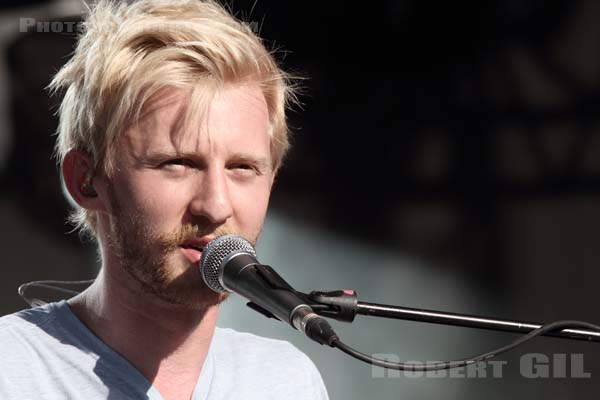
pixel 197 243
pixel 192 254
pixel 193 246
pixel 192 249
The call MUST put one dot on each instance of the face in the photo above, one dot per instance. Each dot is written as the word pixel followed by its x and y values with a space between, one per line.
pixel 177 187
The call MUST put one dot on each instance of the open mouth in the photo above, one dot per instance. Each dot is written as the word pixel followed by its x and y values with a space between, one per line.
pixel 192 252
pixel 191 246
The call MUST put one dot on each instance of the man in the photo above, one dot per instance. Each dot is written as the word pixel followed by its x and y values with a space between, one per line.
pixel 171 132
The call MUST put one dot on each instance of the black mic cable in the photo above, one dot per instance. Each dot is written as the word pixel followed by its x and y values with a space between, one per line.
pixel 435 366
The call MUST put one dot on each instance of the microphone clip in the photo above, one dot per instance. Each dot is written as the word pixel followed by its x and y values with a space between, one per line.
pixel 276 282
pixel 339 304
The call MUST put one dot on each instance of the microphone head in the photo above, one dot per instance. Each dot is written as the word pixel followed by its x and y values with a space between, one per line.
pixel 216 254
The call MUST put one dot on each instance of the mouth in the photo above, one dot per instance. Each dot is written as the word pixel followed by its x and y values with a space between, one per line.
pixel 192 252
pixel 193 246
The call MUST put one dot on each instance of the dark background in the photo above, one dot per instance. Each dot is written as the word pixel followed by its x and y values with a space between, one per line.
pixel 464 133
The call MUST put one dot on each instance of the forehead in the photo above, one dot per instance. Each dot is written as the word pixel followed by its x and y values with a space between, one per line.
pixel 232 118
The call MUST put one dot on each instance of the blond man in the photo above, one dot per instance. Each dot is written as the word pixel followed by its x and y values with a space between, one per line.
pixel 172 128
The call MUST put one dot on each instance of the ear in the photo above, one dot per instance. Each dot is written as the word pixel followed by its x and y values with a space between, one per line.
pixel 78 175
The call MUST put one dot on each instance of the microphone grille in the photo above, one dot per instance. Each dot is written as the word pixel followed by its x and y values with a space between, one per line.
pixel 215 254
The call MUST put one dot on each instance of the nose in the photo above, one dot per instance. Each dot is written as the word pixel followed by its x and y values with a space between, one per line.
pixel 212 199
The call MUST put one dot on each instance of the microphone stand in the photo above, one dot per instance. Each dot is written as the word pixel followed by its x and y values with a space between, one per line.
pixel 343 305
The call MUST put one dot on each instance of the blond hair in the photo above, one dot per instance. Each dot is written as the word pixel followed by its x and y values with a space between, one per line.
pixel 129 53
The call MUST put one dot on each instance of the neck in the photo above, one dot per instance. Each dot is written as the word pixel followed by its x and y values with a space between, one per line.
pixel 165 342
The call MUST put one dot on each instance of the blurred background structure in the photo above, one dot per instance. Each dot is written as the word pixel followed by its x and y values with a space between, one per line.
pixel 446 156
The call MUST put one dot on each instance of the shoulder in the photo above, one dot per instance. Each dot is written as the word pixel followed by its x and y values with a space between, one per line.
pixel 259 359
pixel 37 334
pixel 22 338
pixel 25 323
pixel 26 334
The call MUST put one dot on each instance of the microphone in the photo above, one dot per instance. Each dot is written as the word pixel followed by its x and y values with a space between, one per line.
pixel 229 264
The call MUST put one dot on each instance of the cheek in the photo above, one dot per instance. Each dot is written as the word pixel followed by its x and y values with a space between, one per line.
pixel 150 197
pixel 251 207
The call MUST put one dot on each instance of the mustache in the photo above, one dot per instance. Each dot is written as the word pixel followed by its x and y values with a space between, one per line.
pixel 189 231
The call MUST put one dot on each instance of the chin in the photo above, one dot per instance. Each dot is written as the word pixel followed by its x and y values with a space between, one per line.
pixel 186 288
pixel 192 301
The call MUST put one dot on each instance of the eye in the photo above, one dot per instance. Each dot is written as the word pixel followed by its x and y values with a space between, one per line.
pixel 177 161
pixel 245 169
pixel 177 164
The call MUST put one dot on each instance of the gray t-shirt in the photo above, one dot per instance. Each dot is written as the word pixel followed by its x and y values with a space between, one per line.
pixel 47 353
